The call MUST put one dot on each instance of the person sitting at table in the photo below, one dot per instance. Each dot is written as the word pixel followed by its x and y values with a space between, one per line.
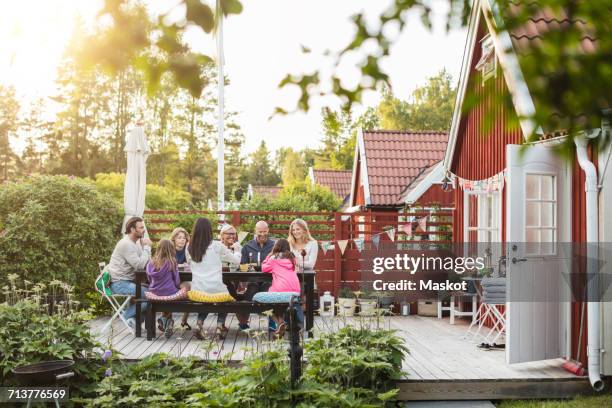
pixel 300 240
pixel 255 251
pixel 180 238
pixel 163 276
pixel 281 263
pixel 131 254
pixel 229 238
pixel 205 258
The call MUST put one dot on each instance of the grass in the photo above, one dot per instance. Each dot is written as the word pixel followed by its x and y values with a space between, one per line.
pixel 578 402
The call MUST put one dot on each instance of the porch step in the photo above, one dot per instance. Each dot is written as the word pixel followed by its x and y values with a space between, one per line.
pixel 493 389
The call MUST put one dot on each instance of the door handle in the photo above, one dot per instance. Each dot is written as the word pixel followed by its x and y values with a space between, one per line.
pixel 517 260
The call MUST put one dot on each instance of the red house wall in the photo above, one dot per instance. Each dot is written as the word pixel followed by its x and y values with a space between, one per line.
pixel 480 154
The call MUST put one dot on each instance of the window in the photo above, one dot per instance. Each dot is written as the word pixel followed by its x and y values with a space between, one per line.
pixel 487 65
pixel 482 214
pixel 540 213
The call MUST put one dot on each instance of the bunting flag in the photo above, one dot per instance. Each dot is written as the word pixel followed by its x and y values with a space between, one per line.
pixel 376 240
pixel 407 228
pixel 493 183
pixel 342 245
pixel 326 246
pixel 423 224
pixel 359 243
pixel 391 234
pixel 241 236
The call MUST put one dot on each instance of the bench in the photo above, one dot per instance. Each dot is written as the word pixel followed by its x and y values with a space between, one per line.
pixel 187 306
pixel 246 307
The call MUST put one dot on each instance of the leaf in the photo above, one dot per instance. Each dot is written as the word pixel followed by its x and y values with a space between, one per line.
pixel 200 14
pixel 231 7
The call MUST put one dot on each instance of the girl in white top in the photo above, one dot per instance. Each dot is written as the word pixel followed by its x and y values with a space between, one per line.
pixel 300 239
pixel 205 258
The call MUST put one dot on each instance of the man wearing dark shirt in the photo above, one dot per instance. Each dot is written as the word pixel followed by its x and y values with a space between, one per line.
pixel 256 250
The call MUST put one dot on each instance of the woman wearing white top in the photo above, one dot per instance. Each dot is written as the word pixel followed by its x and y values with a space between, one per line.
pixel 205 258
pixel 300 239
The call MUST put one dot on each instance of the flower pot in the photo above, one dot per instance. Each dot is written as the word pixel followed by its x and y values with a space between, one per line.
pixel 346 306
pixel 367 307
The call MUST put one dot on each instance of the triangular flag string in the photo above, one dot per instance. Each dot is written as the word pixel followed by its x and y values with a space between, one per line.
pixel 359 243
pixel 407 228
pixel 391 234
pixel 241 236
pixel 423 224
pixel 376 240
pixel 342 245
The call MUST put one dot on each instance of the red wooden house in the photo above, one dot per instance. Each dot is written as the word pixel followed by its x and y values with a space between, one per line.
pixel 397 169
pixel 510 192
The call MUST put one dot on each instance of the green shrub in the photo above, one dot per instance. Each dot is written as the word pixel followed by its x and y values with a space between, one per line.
pixel 30 335
pixel 56 227
pixel 157 197
pixel 356 357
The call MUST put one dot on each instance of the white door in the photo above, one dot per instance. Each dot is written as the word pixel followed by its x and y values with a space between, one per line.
pixel 537 219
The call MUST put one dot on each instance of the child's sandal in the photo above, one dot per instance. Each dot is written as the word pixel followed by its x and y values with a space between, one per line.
pixel 279 333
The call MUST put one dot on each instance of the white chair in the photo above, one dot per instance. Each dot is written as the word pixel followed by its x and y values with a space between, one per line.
pixel 118 302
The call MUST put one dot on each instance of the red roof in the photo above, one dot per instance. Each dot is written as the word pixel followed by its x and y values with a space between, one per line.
pixel 395 158
pixel 538 21
pixel 338 181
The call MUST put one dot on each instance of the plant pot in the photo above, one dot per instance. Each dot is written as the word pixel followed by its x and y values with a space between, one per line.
pixel 346 306
pixel 385 301
pixel 367 307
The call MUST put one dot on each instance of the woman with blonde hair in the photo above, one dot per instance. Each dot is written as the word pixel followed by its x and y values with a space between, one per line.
pixel 300 240
pixel 229 238
pixel 180 239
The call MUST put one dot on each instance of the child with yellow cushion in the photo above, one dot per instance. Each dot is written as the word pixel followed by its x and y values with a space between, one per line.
pixel 205 261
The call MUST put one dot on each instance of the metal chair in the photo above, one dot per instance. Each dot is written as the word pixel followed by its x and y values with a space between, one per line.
pixel 102 286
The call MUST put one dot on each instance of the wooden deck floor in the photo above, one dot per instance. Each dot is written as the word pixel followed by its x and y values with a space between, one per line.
pixel 438 350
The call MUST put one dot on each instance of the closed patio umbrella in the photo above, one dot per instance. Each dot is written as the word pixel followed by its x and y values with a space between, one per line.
pixel 134 190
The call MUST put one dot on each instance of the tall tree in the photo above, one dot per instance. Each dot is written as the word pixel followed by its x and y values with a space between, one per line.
pixel 9 111
pixel 260 170
pixel 36 131
pixel 294 167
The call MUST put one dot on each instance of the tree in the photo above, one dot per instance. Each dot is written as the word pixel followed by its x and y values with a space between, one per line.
pixel 294 167
pixel 9 109
pixel 260 171
pixel 35 129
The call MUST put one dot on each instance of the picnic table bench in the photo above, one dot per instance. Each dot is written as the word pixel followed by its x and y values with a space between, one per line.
pixel 229 307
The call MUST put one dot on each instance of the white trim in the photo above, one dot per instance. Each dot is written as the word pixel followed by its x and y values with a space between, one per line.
pixel 435 176
pixel 463 82
pixel 521 98
pixel 364 168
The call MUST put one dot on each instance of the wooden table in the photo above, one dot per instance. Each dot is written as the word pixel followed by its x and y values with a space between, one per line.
pixel 185 276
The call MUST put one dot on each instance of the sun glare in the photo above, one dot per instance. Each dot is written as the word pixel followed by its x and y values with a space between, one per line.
pixel 33 35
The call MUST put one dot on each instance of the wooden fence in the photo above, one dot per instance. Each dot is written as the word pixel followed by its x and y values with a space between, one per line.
pixel 334 268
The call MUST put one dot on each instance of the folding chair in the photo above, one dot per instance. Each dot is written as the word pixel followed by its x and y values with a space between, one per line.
pixel 102 285
pixel 488 310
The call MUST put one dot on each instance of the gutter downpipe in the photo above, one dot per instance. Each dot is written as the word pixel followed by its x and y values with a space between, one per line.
pixel 592 233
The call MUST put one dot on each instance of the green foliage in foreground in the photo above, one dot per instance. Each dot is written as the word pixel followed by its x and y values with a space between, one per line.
pixel 29 335
pixel 56 227
pixel 263 380
pixel 578 402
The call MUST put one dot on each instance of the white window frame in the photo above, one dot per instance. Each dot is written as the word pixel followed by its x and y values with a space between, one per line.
pixel 555 201
pixel 488 59
pixel 497 199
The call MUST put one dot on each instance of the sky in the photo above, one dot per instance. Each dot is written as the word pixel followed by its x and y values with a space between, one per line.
pixel 262 45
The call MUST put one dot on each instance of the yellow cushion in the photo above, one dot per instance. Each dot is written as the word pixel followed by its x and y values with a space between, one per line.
pixel 198 296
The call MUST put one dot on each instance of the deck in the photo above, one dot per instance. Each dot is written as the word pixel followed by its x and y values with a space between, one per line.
pixel 441 363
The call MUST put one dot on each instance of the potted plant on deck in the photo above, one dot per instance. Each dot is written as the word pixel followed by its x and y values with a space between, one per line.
pixel 367 303
pixel 347 303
